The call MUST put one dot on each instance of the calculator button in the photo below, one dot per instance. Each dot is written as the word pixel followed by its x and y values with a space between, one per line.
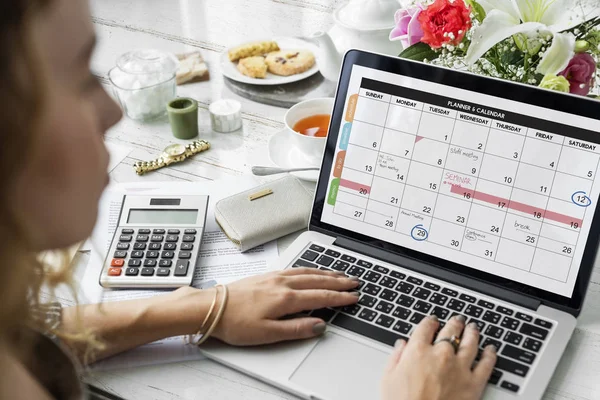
pixel 189 238
pixel 187 246
pixel 144 231
pixel 165 263
pixel 127 231
pixel 170 246
pixel 134 262
pixel 114 271
pixel 132 271
pixel 141 238
pixel 149 263
pixel 125 238
pixel 184 255
pixel 157 238
pixel 147 271
pixel 117 262
pixel 167 254
pixel 173 231
pixel 154 246
pixel 163 272
pixel 181 268
pixel 190 232
pixel 137 254
pixel 123 246
pixel 139 246
pixel 152 254
pixel 120 254
pixel 172 238
pixel 158 231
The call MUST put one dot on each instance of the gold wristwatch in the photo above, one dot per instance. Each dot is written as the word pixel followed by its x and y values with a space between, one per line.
pixel 172 154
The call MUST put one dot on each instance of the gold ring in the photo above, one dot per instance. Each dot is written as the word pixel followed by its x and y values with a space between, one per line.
pixel 453 340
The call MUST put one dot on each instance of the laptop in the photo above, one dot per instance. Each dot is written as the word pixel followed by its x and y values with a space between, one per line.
pixel 445 193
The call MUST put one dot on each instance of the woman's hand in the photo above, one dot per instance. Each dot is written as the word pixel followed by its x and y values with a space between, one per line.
pixel 256 305
pixel 422 371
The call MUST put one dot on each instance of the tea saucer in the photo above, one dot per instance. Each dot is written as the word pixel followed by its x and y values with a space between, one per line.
pixel 284 154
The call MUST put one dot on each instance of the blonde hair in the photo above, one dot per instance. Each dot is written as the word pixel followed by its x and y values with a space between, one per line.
pixel 22 274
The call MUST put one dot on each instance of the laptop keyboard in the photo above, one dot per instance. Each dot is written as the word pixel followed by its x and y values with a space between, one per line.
pixel 392 303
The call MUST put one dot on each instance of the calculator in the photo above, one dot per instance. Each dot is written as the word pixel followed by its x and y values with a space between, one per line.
pixel 156 244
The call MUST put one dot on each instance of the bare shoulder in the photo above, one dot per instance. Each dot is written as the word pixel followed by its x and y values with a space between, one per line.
pixel 15 380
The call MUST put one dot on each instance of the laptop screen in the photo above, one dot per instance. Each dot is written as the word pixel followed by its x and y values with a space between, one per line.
pixel 486 182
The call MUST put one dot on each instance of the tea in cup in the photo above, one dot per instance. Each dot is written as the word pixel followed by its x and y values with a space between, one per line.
pixel 307 123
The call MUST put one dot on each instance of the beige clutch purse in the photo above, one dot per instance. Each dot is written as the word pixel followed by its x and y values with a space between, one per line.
pixel 265 213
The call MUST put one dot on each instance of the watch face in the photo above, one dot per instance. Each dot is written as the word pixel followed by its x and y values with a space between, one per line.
pixel 175 150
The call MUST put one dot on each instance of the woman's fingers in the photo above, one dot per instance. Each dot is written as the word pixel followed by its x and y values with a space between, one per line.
pixel 485 366
pixel 424 332
pixel 311 299
pixel 454 327
pixel 469 343
pixel 292 329
pixel 302 282
pixel 396 354
pixel 309 271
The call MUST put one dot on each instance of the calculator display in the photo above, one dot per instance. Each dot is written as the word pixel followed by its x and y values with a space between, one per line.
pixel 147 216
pixel 481 181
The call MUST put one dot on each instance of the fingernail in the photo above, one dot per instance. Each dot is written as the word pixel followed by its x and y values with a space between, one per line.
pixel 398 343
pixel 491 347
pixel 473 325
pixel 433 317
pixel 355 294
pixel 319 328
pixel 353 278
pixel 461 318
pixel 340 273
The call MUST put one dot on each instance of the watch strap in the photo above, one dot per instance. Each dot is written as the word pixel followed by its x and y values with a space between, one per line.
pixel 197 146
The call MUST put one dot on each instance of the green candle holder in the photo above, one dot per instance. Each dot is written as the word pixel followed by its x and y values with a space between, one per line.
pixel 183 117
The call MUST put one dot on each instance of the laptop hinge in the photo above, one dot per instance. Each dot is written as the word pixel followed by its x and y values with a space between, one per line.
pixel 439 273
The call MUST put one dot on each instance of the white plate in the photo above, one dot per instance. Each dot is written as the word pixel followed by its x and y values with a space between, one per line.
pixel 284 154
pixel 229 69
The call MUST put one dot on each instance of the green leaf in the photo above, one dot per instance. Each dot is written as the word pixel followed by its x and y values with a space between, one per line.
pixel 476 9
pixel 419 52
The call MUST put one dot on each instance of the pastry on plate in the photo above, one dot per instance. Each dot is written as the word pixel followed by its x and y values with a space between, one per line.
pixel 254 67
pixel 290 62
pixel 252 49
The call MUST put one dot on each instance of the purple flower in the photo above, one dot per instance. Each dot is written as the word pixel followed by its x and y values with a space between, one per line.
pixel 580 73
pixel 408 29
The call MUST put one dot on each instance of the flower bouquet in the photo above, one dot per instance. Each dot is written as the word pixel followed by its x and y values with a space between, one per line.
pixel 553 44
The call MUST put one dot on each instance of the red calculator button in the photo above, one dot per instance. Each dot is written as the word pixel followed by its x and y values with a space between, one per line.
pixel 117 262
pixel 114 271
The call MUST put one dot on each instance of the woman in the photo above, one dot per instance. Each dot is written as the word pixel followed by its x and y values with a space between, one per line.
pixel 54 114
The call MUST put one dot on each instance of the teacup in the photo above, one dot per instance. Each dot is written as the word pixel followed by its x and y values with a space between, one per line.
pixel 312 147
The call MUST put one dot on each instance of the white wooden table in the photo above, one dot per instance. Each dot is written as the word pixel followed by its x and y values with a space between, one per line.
pixel 211 26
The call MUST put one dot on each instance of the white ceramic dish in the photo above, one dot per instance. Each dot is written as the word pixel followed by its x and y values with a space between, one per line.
pixel 311 146
pixel 284 154
pixel 229 69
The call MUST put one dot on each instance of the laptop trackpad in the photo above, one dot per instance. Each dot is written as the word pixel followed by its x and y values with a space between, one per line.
pixel 340 368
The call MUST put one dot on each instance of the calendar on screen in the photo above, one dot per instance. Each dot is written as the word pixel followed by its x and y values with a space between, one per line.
pixel 482 181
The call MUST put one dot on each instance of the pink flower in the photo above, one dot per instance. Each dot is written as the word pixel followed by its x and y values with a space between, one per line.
pixel 408 29
pixel 580 73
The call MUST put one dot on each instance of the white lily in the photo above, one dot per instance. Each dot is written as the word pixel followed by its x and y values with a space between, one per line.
pixel 505 18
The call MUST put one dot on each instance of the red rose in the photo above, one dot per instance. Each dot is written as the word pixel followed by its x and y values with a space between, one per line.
pixel 580 73
pixel 451 18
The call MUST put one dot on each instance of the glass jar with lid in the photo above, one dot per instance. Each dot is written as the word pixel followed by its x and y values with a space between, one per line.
pixel 144 82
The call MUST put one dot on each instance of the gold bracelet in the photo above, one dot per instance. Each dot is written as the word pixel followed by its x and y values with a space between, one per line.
pixel 217 318
pixel 210 311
